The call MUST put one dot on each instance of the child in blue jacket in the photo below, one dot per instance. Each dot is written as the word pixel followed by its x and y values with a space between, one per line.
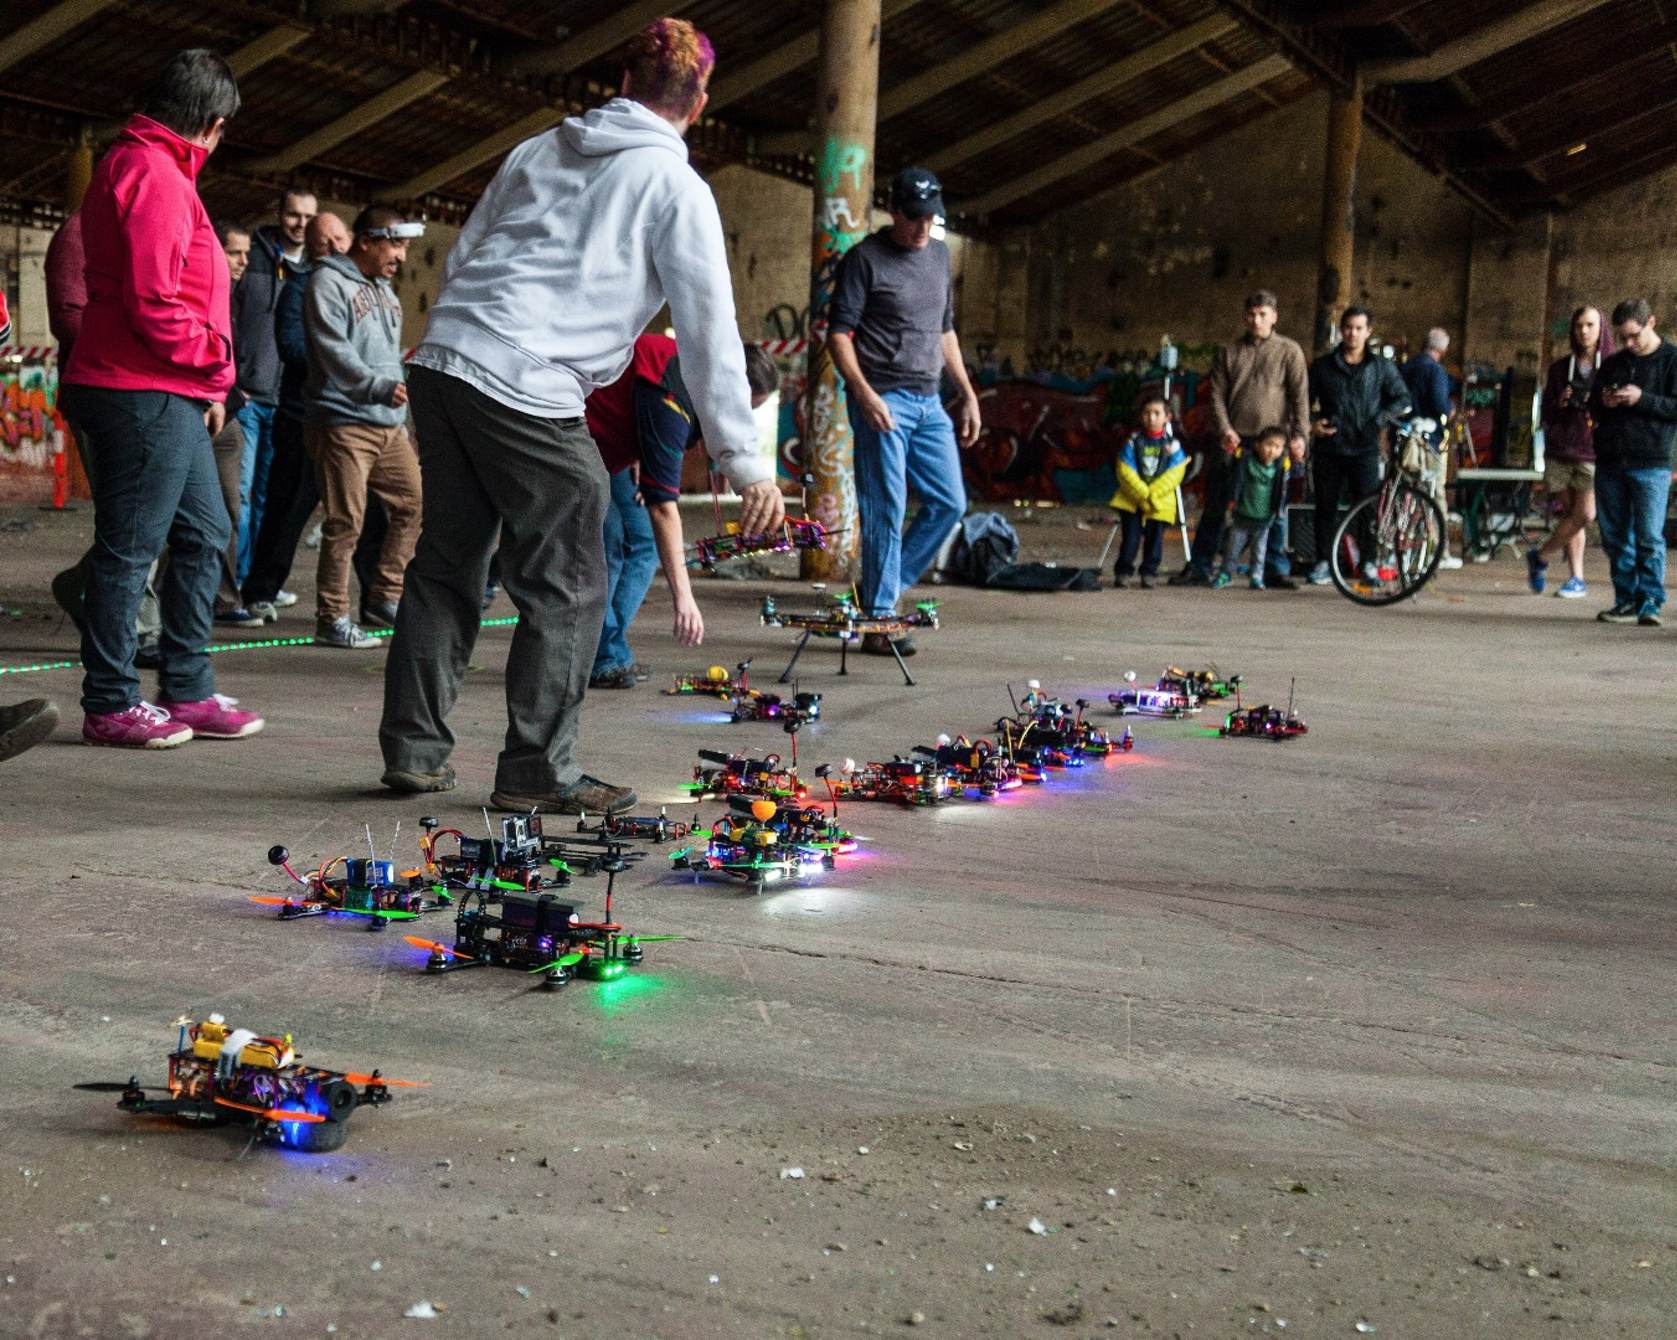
pixel 1150 466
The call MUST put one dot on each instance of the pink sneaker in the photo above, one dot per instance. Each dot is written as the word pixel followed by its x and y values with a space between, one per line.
pixel 215 718
pixel 141 726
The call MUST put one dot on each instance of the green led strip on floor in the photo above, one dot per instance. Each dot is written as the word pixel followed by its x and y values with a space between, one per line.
pixel 216 647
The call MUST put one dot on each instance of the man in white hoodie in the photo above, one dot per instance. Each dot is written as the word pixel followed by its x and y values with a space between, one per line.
pixel 584 233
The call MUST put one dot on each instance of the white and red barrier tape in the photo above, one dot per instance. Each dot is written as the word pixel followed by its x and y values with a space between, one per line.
pixel 28 353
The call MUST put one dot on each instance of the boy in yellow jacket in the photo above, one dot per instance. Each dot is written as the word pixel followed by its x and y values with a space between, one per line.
pixel 1150 466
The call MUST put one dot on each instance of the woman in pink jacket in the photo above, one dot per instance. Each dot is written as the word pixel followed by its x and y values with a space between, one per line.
pixel 145 383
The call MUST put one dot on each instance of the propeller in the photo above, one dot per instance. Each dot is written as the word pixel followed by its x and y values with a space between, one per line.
pixel 271 1113
pixel 268 900
pixel 715 756
pixel 435 947
pixel 376 1078
pixel 114 1086
pixel 563 961
pixel 653 939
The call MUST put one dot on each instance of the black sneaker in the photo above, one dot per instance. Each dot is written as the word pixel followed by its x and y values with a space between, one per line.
pixel 24 725
pixel 1280 583
pixel 1146 582
pixel 586 795
pixel 1618 614
pixel 67 591
pixel 618 677
pixel 1119 581
pixel 418 783
pixel 376 615
pixel 1649 615
pixel 1188 577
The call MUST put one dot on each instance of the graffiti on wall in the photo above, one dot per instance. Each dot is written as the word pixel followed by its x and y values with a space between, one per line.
pixel 32 430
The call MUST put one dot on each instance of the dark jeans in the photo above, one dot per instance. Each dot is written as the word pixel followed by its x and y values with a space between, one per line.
pixel 154 482
pixel 1135 530
pixel 1336 476
pixel 542 485
pixel 1219 493
pixel 292 497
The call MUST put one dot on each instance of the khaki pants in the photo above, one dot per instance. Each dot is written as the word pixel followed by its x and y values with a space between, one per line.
pixel 350 460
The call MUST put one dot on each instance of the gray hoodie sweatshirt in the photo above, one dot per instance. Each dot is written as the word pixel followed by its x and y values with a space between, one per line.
pixel 584 233
pixel 354 330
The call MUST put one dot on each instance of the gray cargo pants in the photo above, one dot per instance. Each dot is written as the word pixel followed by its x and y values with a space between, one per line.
pixel 539 488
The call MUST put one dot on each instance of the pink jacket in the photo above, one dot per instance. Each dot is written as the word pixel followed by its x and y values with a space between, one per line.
pixel 157 316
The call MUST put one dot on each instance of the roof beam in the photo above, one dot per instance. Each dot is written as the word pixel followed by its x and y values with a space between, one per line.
pixel 333 9
pixel 405 92
pixel 765 70
pixel 273 44
pixel 1068 99
pixel 1607 176
pixel 1086 156
pixel 45 29
pixel 491 146
pixel 1481 44
pixel 1365 13
pixel 987 54
pixel 591 43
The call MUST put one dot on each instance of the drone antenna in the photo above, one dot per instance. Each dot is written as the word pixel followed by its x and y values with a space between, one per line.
pixel 1291 685
pixel 393 837
pixel 371 851
pixel 486 828
pixel 1013 700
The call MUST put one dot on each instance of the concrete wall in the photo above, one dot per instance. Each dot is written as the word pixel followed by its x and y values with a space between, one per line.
pixel 1176 251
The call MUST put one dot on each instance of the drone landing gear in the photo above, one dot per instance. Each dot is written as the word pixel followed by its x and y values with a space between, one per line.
pixel 844 658
pixel 786 674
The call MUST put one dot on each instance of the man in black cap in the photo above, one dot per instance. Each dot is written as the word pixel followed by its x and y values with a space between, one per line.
pixel 892 333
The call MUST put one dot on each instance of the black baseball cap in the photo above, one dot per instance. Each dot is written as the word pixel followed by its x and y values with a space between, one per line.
pixel 916 192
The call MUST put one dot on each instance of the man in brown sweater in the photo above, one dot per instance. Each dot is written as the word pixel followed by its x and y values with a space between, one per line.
pixel 1259 381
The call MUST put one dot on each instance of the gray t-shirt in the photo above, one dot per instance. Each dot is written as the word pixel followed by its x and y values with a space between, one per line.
pixel 896 303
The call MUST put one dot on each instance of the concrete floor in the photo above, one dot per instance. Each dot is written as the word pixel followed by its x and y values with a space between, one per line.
pixel 1367 1033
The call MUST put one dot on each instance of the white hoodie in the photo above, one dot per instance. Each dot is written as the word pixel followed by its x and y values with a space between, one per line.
pixel 582 236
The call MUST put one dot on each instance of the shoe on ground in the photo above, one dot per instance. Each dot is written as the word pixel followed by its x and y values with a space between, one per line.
pixel 586 795
pixel 214 718
pixel 1448 563
pixel 1618 614
pixel 266 608
pixel 1319 575
pixel 1573 588
pixel 24 725
pixel 241 616
pixel 1145 583
pixel 148 655
pixel 419 783
pixel 1256 584
pixel 618 677
pixel 1119 581
pixel 489 594
pixel 141 726
pixel 1370 572
pixel 344 633
pixel 1189 577
pixel 1280 582
pixel 283 600
pixel 377 615
pixel 1221 580
pixel 67 591
pixel 877 644
pixel 1649 615
pixel 642 673
pixel 1537 571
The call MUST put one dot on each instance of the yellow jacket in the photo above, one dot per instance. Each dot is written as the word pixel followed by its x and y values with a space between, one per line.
pixel 1149 469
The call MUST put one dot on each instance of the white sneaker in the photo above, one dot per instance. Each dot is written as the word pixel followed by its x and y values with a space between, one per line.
pixel 264 608
pixel 283 600
pixel 1319 575
pixel 345 633
pixel 1449 563
pixel 1370 572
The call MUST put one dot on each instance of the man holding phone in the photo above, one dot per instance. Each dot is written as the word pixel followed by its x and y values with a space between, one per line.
pixel 1634 405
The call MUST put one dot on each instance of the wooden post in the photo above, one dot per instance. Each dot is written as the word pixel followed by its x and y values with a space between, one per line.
pixel 847 99
pixel 1339 222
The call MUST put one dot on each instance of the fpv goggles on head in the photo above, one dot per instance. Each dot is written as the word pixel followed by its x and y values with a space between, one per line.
pixel 396 232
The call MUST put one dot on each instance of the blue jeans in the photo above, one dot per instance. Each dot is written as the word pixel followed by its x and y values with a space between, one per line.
pixel 258 423
pixel 631 559
pixel 154 481
pixel 1630 509
pixel 919 454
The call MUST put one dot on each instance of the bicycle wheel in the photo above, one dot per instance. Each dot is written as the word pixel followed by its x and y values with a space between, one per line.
pixel 1388 546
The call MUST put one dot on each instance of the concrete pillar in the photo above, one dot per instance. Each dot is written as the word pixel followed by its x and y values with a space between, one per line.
pixel 847 98
pixel 78 171
pixel 1339 222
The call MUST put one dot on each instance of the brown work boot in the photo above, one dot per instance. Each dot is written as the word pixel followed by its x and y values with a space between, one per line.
pixel 586 795
pixel 877 644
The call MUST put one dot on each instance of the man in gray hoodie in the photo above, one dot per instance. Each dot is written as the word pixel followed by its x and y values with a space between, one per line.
pixel 355 415
pixel 584 233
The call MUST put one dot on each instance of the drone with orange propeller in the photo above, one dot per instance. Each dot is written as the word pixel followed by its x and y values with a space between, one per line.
pixel 219 1074
pixel 535 932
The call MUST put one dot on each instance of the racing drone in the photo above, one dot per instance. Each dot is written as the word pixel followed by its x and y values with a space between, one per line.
pixel 219 1074
pixel 755 846
pixel 367 888
pixel 715 682
pixel 904 781
pixel 1161 701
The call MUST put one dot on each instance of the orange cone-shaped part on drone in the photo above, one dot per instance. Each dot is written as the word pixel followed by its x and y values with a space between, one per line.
pixel 763 810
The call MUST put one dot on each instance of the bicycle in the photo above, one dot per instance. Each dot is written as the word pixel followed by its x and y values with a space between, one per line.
pixel 1388 546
